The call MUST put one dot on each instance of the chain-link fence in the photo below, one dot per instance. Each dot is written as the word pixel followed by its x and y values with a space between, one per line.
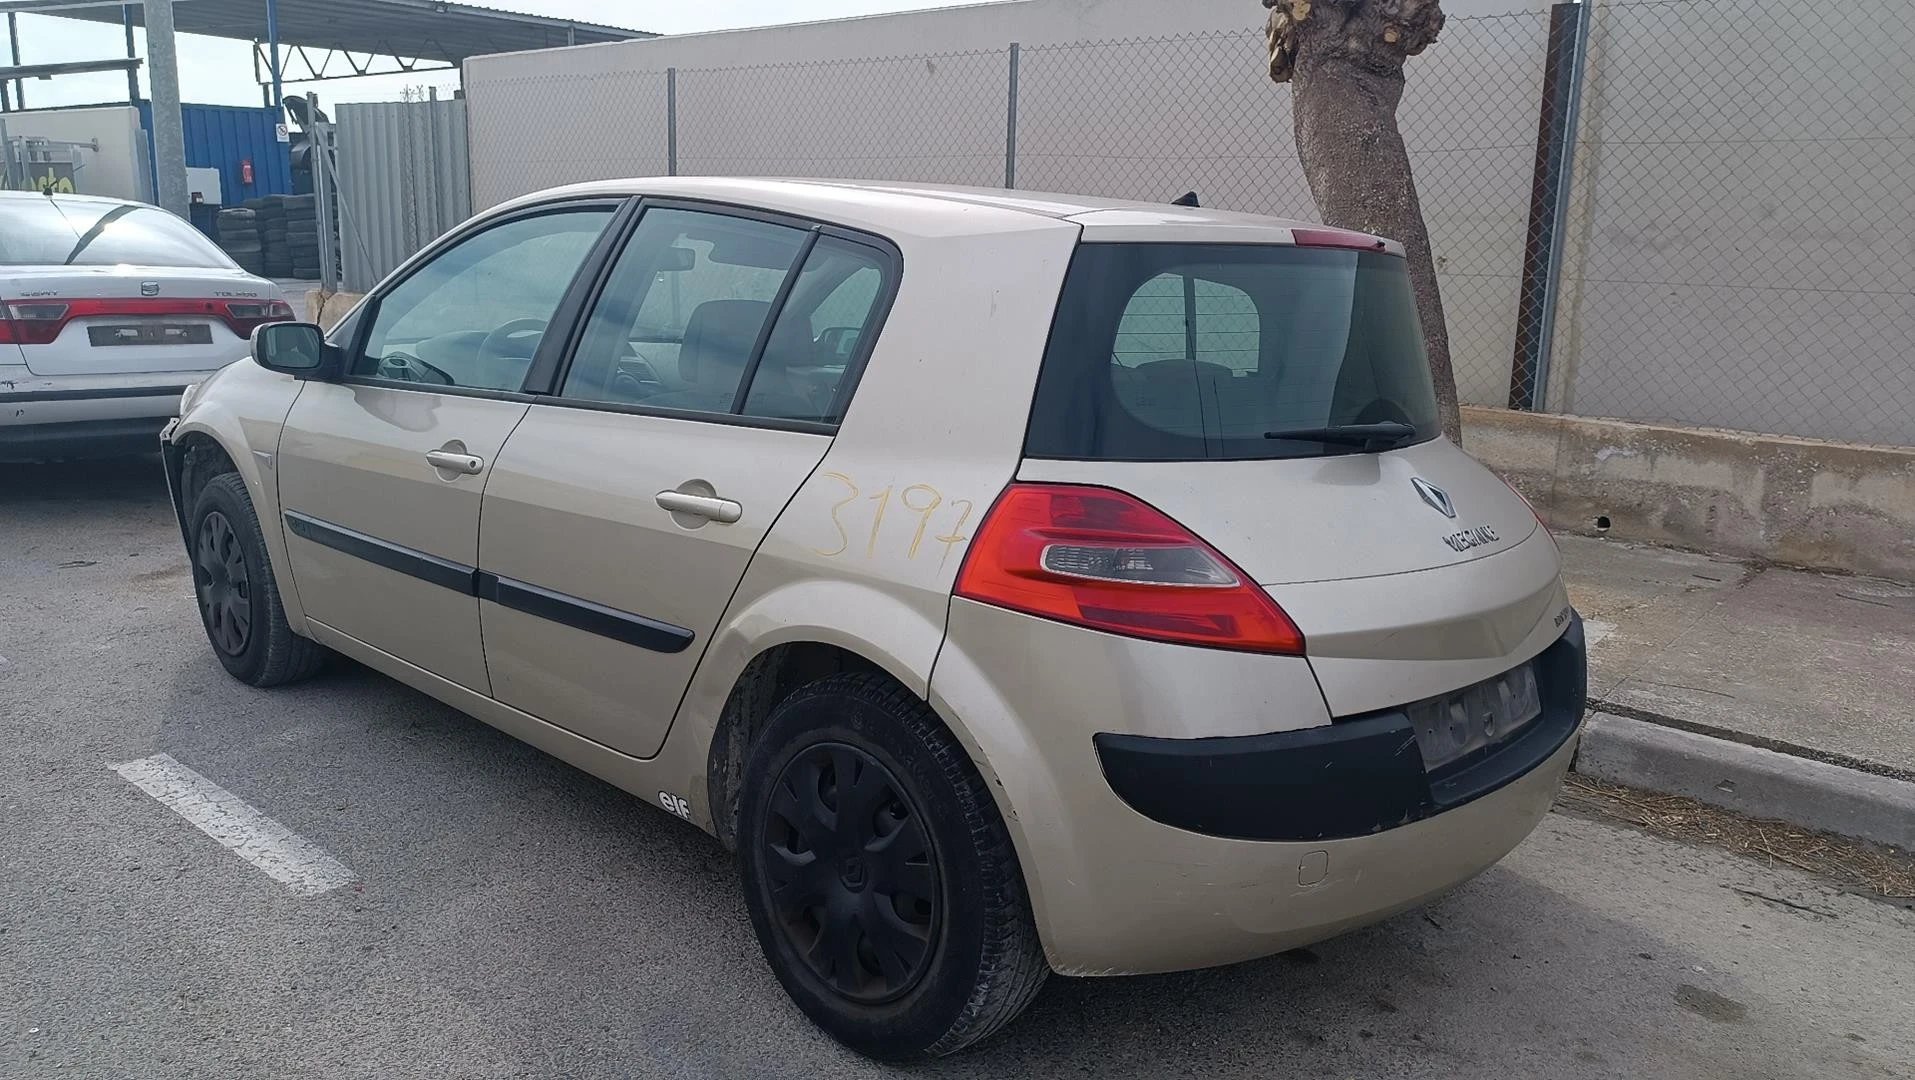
pixel 1720 234
pixel 1745 183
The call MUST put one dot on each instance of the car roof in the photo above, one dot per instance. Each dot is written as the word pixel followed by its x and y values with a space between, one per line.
pixel 900 208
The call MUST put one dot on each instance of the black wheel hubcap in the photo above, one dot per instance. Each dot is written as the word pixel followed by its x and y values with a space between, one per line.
pixel 225 589
pixel 853 880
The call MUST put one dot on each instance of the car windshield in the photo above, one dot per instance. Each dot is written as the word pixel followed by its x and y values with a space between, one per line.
pixel 1187 352
pixel 66 232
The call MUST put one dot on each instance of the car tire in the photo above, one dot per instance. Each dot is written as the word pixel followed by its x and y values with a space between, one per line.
pixel 234 589
pixel 980 962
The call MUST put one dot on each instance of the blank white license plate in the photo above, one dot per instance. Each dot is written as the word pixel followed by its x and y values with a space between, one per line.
pixel 1456 725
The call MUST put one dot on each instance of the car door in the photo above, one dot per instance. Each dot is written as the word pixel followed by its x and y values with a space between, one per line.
pixel 705 387
pixel 380 473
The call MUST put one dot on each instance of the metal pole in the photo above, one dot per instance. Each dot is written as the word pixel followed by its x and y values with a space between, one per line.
pixel 272 47
pixel 169 139
pixel 13 38
pixel 1010 125
pixel 132 74
pixel 321 135
pixel 671 121
pixel 1553 279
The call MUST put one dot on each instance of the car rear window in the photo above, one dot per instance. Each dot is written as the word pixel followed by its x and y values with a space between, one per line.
pixel 60 232
pixel 1186 352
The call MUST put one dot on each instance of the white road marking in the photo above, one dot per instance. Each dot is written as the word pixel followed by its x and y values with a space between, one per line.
pixel 276 850
pixel 1595 630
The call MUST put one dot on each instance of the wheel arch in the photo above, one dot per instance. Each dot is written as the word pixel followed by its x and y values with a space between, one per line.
pixel 211 441
pixel 767 680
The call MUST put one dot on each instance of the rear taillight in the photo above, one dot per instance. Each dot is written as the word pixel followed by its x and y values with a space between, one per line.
pixel 246 317
pixel 1100 558
pixel 39 322
pixel 31 322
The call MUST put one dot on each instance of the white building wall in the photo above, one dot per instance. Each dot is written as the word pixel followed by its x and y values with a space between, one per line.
pixel 117 169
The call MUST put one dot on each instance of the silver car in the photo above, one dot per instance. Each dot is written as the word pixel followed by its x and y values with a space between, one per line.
pixel 108 310
pixel 1018 583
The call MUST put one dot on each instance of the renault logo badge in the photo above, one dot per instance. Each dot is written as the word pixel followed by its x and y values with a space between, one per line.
pixel 1436 497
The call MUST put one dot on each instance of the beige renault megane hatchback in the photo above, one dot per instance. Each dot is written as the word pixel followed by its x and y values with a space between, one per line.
pixel 1019 583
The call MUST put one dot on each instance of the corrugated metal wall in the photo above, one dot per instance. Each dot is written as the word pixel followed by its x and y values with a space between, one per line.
pixel 221 136
pixel 403 182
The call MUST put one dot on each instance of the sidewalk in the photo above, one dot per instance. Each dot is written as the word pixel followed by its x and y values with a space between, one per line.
pixel 1820 662
pixel 1816 666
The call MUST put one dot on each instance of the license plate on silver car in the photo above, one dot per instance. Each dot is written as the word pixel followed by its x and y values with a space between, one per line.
pixel 1456 725
pixel 149 333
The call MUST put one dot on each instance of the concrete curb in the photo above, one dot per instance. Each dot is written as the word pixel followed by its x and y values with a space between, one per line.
pixel 1748 779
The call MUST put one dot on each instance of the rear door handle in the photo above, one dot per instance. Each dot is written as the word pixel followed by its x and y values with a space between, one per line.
pixel 469 464
pixel 723 511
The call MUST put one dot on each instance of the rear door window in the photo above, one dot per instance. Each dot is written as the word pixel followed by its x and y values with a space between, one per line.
pixel 1172 352
pixel 681 319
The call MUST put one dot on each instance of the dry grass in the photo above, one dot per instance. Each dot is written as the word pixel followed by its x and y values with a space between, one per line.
pixel 1884 873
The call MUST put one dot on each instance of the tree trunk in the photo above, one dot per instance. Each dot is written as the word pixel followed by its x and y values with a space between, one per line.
pixel 1345 61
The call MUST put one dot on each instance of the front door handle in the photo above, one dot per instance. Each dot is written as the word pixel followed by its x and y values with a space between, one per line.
pixel 723 511
pixel 469 464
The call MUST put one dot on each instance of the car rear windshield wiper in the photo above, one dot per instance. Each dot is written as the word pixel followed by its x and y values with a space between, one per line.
pixel 1379 436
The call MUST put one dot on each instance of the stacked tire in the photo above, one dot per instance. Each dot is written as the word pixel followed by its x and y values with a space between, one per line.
pixel 239 237
pixel 302 235
pixel 274 257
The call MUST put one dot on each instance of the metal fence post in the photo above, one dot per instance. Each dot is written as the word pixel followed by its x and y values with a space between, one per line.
pixel 1010 124
pixel 1563 76
pixel 671 121
pixel 323 182
pixel 13 40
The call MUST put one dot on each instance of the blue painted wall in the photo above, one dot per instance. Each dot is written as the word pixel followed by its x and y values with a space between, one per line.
pixel 220 136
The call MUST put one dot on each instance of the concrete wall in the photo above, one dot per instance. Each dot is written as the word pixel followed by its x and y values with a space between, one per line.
pixel 1127 98
pixel 1796 501
pixel 118 169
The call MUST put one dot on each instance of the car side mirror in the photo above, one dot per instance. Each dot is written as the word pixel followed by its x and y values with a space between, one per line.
pixel 296 349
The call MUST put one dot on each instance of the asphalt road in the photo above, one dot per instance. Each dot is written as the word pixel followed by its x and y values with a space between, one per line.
pixel 514 917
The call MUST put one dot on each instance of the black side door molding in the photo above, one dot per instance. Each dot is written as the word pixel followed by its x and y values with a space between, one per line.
pixel 558 607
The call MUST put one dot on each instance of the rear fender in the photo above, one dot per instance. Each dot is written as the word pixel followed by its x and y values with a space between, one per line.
pixel 897 637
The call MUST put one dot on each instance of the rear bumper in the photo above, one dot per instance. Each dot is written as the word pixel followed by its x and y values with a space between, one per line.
pixel 81 438
pixel 54 418
pixel 1126 879
pixel 1353 778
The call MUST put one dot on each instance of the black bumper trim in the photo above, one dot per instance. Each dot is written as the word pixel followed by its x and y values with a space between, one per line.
pixel 99 394
pixel 1355 777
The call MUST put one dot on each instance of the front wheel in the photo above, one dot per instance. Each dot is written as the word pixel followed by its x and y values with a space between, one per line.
pixel 879 876
pixel 238 599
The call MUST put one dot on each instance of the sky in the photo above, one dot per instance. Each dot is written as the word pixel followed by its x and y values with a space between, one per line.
pixel 216 71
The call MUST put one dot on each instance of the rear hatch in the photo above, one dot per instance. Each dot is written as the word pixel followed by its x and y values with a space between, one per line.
pixel 1274 399
pixel 96 287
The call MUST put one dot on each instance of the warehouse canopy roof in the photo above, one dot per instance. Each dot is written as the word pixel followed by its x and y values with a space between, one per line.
pixel 420 29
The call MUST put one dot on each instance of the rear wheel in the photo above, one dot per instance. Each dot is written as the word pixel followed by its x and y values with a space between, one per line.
pixel 879 876
pixel 238 599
